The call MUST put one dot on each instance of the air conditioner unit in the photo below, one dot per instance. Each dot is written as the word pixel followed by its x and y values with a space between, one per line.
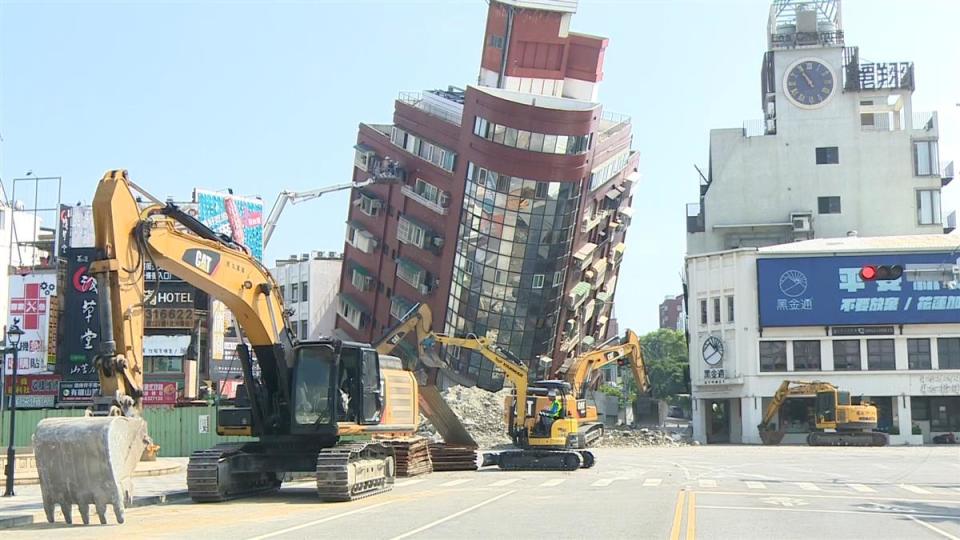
pixel 801 222
pixel 771 126
pixel 771 108
pixel 438 241
pixel 424 289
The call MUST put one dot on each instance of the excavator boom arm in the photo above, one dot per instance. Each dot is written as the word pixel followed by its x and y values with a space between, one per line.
pixel 585 365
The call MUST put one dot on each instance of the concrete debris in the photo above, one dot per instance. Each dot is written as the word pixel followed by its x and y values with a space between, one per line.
pixel 625 437
pixel 480 411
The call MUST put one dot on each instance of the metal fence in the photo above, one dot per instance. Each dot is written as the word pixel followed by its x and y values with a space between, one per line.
pixel 179 431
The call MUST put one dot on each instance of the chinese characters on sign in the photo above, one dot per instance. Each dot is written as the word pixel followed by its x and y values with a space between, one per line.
pixel 886 75
pixel 78 392
pixel 828 291
pixel 940 385
pixel 159 393
pixel 30 296
pixel 80 323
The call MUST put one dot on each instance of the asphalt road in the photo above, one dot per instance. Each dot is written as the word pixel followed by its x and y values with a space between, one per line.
pixel 734 492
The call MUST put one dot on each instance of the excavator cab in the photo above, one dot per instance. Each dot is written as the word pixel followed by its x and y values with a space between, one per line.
pixel 335 385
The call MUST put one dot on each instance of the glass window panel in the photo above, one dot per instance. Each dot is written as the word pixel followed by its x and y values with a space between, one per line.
pixel 549 144
pixel 536 142
pixel 561 144
pixel 523 139
pixel 498 133
pixel 510 138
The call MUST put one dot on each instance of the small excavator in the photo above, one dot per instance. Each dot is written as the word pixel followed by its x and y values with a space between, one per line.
pixel 581 374
pixel 555 449
pixel 308 394
pixel 837 421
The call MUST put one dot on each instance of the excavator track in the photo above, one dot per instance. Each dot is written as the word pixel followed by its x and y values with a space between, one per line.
pixel 848 438
pixel 210 479
pixel 348 472
pixel 542 460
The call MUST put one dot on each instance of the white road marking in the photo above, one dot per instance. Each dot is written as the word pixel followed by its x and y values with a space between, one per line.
pixel 821 511
pixel 915 489
pixel 406 483
pixel 506 482
pixel 456 482
pixel 319 521
pixel 707 483
pixel 843 497
pixel 862 488
pixel 937 530
pixel 807 486
pixel 451 516
pixel 652 482
pixel 606 481
pixel 754 485
pixel 553 482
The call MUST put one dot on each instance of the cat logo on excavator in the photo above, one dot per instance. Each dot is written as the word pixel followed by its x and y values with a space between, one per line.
pixel 203 259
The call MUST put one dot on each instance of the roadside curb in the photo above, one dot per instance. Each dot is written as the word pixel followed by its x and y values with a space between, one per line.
pixel 20 520
pixel 32 479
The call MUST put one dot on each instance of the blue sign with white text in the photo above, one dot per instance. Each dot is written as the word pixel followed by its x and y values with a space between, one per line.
pixel 828 291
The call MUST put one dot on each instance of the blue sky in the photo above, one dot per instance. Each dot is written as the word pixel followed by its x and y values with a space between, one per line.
pixel 264 96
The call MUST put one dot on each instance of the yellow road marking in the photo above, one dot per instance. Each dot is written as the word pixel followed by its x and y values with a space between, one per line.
pixel 692 516
pixel 677 517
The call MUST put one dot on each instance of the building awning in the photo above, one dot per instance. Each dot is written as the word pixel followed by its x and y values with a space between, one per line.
pixel 361 270
pixel 599 266
pixel 619 248
pixel 627 211
pixel 580 288
pixel 165 345
pixel 352 302
pixel 603 319
pixel 588 341
pixel 363 148
pixel 614 194
pixel 633 177
pixel 584 252
pixel 603 296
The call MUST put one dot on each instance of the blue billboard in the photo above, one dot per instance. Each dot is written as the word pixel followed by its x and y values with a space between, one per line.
pixel 828 291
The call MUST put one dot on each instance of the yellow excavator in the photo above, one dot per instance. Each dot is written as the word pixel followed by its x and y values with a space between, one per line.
pixel 580 375
pixel 837 421
pixel 308 393
pixel 550 450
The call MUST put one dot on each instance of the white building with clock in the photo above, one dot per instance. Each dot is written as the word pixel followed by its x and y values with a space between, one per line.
pixel 838 140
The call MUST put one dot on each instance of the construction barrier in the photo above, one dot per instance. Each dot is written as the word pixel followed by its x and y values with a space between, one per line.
pixel 179 431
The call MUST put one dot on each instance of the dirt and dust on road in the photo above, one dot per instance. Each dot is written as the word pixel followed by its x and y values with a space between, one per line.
pixel 481 412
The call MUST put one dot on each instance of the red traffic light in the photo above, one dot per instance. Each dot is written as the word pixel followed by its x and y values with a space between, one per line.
pixel 881 273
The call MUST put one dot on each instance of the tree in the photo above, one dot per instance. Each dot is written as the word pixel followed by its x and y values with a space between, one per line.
pixel 665 357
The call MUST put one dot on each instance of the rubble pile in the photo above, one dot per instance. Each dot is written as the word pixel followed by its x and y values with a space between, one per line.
pixel 480 411
pixel 624 437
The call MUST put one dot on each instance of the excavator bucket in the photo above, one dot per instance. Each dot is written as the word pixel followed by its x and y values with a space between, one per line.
pixel 770 436
pixel 86 461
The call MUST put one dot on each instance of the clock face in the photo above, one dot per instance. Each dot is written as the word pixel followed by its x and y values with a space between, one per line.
pixel 712 350
pixel 809 83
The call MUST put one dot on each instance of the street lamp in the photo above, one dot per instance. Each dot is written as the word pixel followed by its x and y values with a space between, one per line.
pixel 14 333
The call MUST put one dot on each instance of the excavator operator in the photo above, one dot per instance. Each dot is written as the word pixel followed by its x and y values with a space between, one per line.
pixel 548 416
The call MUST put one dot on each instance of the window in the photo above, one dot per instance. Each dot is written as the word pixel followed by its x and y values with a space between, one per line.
pixel 408 233
pixel 918 353
pixel 399 307
pixel 283 291
pixel 427 190
pixel 294 292
pixel 303 291
pixel 368 205
pixel 360 278
pixel 558 278
pixel 410 273
pixel 880 355
pixel 304 331
pixel 926 158
pixel 538 281
pixel 360 239
pixel 350 312
pixel 828 205
pixel 163 364
pixel 806 355
pixel 949 351
pixel 716 310
pixel 496 41
pixel 928 206
pixel 773 356
pixel 703 312
pixel 729 309
pixel 362 159
pixel 828 155
pixel 846 355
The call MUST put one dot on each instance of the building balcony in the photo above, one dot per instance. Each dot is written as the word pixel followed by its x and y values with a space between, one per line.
pixel 584 255
pixel 616 254
pixel 436 206
pixel 926 123
pixel 447 105
pixel 589 223
pixel 578 295
pixel 611 122
pixel 947 175
pixel 379 168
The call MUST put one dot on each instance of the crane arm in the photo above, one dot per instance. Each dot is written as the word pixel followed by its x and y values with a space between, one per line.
pixel 126 237
pixel 792 388
pixel 580 373
pixel 294 197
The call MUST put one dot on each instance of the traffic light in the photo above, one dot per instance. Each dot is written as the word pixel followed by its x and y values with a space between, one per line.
pixel 886 272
